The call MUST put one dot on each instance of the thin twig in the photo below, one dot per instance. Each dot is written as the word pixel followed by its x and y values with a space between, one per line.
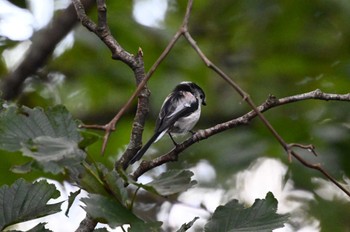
pixel 247 98
pixel 102 30
pixel 270 103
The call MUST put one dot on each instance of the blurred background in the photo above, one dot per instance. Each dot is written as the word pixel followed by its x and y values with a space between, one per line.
pixel 270 47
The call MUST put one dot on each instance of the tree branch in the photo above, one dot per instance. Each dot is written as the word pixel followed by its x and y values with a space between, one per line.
pixel 270 103
pixel 86 225
pixel 102 30
pixel 44 43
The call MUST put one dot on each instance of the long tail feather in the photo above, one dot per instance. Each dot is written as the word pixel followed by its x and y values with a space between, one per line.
pixel 143 150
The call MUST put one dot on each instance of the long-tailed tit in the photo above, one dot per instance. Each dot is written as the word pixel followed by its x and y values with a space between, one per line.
pixel 178 115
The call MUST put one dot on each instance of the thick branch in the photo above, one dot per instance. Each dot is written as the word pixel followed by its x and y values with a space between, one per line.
pixel 44 43
pixel 86 225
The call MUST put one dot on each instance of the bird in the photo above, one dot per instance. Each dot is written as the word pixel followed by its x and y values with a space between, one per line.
pixel 179 113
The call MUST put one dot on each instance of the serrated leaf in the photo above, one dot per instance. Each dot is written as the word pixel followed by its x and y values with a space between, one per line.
pixel 19 125
pixel 71 199
pixel 171 182
pixel 261 216
pixel 188 225
pixel 54 154
pixel 24 201
pixel 108 210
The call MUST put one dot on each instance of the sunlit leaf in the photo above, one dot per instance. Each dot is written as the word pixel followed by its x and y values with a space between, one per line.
pixel 24 201
pixel 261 216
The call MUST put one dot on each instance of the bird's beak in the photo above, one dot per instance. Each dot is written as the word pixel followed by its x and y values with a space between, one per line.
pixel 204 103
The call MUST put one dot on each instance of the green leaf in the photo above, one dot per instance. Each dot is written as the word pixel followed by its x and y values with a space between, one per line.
pixel 90 180
pixel 71 199
pixel 261 216
pixel 188 225
pixel 108 210
pixel 88 138
pixel 101 230
pixel 148 226
pixel 170 182
pixel 24 201
pixel 54 154
pixel 39 228
pixel 19 125
pixel 116 185
pixel 23 168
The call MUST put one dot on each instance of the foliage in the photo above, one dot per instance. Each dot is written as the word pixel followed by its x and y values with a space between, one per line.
pixel 275 47
pixel 261 216
pixel 24 201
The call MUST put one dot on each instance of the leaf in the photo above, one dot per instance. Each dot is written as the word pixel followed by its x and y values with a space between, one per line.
pixel 188 225
pixel 71 199
pixel 39 228
pixel 90 180
pixel 54 154
pixel 261 216
pixel 101 230
pixel 108 210
pixel 147 226
pixel 24 201
pixel 23 168
pixel 88 138
pixel 116 185
pixel 19 125
pixel 171 182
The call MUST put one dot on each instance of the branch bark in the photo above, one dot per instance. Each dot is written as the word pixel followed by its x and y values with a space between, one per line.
pixel 44 43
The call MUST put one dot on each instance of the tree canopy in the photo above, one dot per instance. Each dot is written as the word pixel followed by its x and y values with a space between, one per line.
pixel 287 59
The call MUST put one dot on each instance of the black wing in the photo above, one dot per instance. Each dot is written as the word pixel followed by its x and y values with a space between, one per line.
pixel 176 105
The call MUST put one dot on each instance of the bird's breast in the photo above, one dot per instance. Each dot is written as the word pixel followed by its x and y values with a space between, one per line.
pixel 185 124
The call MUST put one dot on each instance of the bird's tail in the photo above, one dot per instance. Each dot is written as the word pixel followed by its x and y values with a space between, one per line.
pixel 143 150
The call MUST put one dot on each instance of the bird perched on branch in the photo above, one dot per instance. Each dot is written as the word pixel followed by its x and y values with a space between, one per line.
pixel 179 114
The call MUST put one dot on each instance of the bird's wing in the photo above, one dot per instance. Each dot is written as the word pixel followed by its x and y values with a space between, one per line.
pixel 177 105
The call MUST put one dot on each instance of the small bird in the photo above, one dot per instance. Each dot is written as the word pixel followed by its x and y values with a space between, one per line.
pixel 179 114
